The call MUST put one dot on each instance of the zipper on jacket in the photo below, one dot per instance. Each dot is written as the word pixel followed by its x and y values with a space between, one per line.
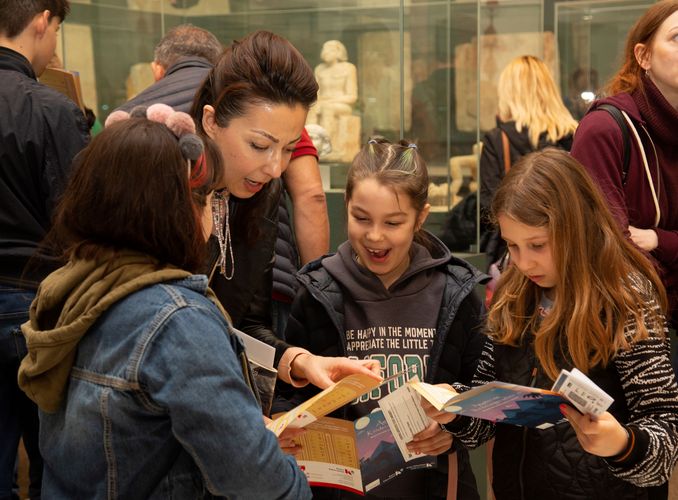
pixel 533 380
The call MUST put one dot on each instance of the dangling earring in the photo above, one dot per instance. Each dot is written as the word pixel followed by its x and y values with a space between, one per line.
pixel 222 231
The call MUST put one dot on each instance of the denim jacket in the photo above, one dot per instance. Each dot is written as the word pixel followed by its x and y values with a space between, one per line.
pixel 157 407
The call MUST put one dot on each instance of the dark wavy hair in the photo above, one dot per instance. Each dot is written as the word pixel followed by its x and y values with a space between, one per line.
pixel 258 69
pixel 130 190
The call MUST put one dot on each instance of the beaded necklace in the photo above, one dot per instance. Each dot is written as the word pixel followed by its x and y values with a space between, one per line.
pixel 222 231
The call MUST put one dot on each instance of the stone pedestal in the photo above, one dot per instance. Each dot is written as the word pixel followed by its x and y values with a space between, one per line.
pixel 346 141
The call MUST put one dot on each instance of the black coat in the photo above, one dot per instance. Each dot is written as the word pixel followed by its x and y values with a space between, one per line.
pixel 551 453
pixel 41 131
pixel 177 88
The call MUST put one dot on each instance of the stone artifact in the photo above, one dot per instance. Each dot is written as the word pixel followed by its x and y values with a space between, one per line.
pixel 337 94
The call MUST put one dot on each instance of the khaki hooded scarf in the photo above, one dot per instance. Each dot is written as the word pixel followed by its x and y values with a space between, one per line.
pixel 68 302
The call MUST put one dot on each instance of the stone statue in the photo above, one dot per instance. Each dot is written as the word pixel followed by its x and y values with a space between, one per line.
pixel 337 93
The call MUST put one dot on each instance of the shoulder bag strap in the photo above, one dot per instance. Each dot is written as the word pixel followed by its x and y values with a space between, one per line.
pixel 619 118
pixel 506 151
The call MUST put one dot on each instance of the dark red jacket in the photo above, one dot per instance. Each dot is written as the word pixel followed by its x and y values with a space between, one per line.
pixel 598 145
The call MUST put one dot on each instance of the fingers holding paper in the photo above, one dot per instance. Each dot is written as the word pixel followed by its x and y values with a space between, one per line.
pixel 323 371
pixel 287 439
pixel 431 441
pixel 439 416
pixel 603 436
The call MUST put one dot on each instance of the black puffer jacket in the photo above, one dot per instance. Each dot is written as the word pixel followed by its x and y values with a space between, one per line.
pixel 316 323
pixel 551 463
pixel 177 88
pixel 552 454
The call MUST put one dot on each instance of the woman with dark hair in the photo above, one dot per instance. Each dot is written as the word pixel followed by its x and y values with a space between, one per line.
pixel 131 361
pixel 254 105
pixel 635 159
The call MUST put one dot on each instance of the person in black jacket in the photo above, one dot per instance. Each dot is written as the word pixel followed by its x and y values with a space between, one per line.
pixel 577 294
pixel 531 116
pixel 40 132
pixel 181 61
pixel 394 293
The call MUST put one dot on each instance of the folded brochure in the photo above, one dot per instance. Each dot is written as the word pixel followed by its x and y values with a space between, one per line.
pixel 502 402
pixel 354 456
pixel 330 399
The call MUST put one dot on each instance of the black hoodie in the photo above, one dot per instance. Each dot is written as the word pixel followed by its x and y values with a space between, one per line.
pixel 398 323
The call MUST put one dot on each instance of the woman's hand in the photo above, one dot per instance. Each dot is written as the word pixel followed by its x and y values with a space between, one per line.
pixel 604 437
pixel 439 416
pixel 645 238
pixel 323 371
pixel 286 440
pixel 431 441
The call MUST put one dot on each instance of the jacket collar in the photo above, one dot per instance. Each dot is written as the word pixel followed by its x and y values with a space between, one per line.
pixel 660 116
pixel 12 60
pixel 193 62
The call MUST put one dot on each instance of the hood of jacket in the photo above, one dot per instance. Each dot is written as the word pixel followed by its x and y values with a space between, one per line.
pixel 316 275
pixel 68 302
pixel 366 286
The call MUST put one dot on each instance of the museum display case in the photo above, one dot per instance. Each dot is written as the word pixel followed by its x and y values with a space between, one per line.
pixel 422 70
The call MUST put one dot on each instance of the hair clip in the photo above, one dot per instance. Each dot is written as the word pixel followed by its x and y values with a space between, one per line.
pixel 412 145
pixel 372 141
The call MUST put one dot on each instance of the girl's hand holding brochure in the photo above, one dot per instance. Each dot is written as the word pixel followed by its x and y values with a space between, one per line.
pixel 603 436
pixel 431 441
pixel 439 416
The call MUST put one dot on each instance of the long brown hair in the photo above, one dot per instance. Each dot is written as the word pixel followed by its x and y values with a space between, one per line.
pixel 260 68
pixel 601 275
pixel 629 76
pixel 130 190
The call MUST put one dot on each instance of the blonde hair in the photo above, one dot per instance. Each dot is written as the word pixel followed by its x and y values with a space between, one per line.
pixel 603 280
pixel 529 96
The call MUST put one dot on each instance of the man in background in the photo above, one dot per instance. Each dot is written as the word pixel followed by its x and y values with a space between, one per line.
pixel 40 132
pixel 181 61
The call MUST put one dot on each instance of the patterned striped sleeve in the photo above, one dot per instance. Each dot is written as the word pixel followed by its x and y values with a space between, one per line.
pixel 649 384
pixel 473 432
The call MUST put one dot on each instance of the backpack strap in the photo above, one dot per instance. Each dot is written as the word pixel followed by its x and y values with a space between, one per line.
pixel 619 118
pixel 506 151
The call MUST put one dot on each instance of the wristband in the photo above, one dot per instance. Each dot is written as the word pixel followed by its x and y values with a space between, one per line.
pixel 445 429
pixel 630 443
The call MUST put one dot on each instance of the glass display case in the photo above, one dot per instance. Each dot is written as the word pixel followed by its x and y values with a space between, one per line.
pixel 422 70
